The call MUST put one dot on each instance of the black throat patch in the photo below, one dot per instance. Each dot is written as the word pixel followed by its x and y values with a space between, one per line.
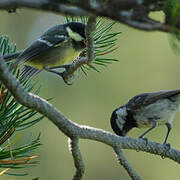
pixel 130 122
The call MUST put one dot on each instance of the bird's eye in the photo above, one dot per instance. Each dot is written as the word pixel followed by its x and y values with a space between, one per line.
pixel 84 41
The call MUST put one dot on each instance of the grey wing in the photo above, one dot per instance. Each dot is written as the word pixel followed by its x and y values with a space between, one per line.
pixel 39 46
pixel 29 72
pixel 56 30
pixel 149 98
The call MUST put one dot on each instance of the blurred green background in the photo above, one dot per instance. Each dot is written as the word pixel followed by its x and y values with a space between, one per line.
pixel 146 63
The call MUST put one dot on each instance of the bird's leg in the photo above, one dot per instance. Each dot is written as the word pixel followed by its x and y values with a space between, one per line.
pixel 169 127
pixel 59 74
pixel 154 124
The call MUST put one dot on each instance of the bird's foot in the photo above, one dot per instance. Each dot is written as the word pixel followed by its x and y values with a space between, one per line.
pixel 65 79
pixel 62 74
pixel 144 139
pixel 168 146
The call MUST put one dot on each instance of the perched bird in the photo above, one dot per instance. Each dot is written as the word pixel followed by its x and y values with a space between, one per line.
pixel 57 47
pixel 147 110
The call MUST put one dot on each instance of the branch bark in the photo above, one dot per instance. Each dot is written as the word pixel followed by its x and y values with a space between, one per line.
pixel 129 12
pixel 123 161
pixel 78 161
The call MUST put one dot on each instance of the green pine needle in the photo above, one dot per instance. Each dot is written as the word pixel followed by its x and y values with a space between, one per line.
pixel 104 42
pixel 172 12
pixel 15 117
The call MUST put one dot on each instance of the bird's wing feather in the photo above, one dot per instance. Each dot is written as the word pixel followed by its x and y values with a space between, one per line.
pixel 149 98
pixel 39 46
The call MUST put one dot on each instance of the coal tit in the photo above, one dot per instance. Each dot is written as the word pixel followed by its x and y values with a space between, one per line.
pixel 58 46
pixel 147 110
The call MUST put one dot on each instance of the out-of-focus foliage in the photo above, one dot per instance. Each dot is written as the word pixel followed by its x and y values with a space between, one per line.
pixel 172 12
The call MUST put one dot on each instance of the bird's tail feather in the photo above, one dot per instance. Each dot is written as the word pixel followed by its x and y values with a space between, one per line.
pixel 29 72
pixel 10 57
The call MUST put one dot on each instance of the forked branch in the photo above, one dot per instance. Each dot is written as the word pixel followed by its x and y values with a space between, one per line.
pixel 78 161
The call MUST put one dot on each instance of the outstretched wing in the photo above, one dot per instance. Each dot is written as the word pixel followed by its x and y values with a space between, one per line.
pixel 149 98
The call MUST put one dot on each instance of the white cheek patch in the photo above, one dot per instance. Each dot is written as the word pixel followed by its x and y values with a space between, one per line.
pixel 121 113
pixel 74 35
pixel 120 123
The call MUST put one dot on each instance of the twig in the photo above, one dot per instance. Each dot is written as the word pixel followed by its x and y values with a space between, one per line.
pixel 143 23
pixel 78 161
pixel 91 25
pixel 123 161
pixel 12 5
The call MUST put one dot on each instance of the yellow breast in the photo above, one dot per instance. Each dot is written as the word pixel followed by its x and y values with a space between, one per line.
pixel 57 56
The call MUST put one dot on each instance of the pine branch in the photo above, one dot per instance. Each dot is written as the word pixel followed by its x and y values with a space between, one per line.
pixel 15 117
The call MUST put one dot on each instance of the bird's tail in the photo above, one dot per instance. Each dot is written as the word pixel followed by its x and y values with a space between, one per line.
pixel 29 72
pixel 10 57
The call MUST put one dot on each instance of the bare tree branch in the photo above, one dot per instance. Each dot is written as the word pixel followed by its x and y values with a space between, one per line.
pixel 72 129
pixel 78 161
pixel 123 161
pixel 43 5
pixel 129 12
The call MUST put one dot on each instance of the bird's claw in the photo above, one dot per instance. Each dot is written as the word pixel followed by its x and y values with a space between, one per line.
pixel 168 146
pixel 144 139
pixel 67 82
pixel 65 79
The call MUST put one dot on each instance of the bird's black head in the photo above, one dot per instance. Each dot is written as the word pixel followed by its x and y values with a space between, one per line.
pixel 122 121
pixel 76 31
pixel 76 28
